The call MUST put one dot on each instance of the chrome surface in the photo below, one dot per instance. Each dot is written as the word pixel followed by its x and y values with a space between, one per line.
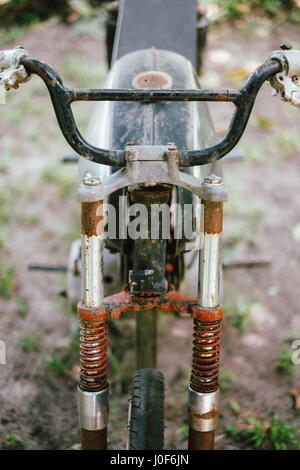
pixel 92 270
pixel 203 409
pixel 209 271
pixel 93 408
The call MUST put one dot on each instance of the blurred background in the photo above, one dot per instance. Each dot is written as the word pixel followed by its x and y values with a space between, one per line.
pixel 39 217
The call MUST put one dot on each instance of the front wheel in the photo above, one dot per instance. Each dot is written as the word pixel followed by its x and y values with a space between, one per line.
pixel 146 412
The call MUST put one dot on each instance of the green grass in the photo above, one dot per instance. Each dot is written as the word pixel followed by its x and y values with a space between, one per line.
pixel 56 364
pixel 272 434
pixel 11 35
pixel 51 174
pixel 115 365
pixel 7 281
pixel 238 315
pixel 262 122
pixel 75 447
pixel 286 143
pixel 278 144
pixel 28 219
pixel 13 442
pixel 77 71
pixel 61 178
pixel 282 435
pixel 74 331
pixel 121 355
pixel 29 343
pixel 72 231
pixel 284 364
pixel 3 239
pixel 226 379
pixel 236 9
pixel 234 407
pixel 5 161
pixel 63 359
pixel 5 208
pixel 22 308
pixel 184 432
pixel 242 213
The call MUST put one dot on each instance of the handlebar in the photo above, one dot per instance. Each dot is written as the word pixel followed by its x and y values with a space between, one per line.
pixel 62 97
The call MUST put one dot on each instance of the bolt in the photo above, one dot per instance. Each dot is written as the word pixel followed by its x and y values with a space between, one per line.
pixel 286 46
pixel 171 146
pixel 213 179
pixel 90 180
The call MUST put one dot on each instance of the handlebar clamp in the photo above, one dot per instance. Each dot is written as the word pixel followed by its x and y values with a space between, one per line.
pixel 286 83
pixel 12 73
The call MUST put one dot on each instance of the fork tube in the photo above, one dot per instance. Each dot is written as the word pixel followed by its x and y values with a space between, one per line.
pixel 204 390
pixel 93 387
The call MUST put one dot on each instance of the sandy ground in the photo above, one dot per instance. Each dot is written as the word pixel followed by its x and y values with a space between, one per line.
pixel 39 214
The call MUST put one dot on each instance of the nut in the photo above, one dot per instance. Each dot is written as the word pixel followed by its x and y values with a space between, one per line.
pixel 91 180
pixel 213 179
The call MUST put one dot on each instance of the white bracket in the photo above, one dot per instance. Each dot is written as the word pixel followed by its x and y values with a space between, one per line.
pixel 12 74
pixel 286 83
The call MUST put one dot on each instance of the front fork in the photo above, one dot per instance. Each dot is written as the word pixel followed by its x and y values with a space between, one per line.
pixel 93 396
pixel 93 386
pixel 204 390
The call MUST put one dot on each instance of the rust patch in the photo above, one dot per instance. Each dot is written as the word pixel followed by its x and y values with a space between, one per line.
pixel 116 304
pixel 201 440
pixel 213 217
pixel 169 267
pixel 91 314
pixel 152 80
pixel 208 315
pixel 209 415
pixel 91 218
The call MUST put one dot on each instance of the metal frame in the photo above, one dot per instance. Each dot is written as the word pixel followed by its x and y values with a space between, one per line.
pixel 150 165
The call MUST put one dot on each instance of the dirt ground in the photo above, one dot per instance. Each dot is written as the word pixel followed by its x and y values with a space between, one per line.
pixel 39 219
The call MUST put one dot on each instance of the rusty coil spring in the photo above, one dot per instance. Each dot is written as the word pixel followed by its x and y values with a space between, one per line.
pixel 206 352
pixel 93 355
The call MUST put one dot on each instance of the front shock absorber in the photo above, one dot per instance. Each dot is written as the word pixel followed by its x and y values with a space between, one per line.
pixel 207 315
pixel 93 354
pixel 206 352
pixel 93 387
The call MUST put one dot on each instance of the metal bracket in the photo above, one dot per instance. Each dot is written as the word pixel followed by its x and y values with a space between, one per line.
pixel 151 165
pixel 286 83
pixel 12 74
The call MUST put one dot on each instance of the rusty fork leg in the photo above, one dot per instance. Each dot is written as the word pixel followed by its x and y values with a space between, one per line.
pixel 93 387
pixel 204 389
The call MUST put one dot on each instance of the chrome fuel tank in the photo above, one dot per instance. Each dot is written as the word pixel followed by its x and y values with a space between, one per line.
pixel 114 124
